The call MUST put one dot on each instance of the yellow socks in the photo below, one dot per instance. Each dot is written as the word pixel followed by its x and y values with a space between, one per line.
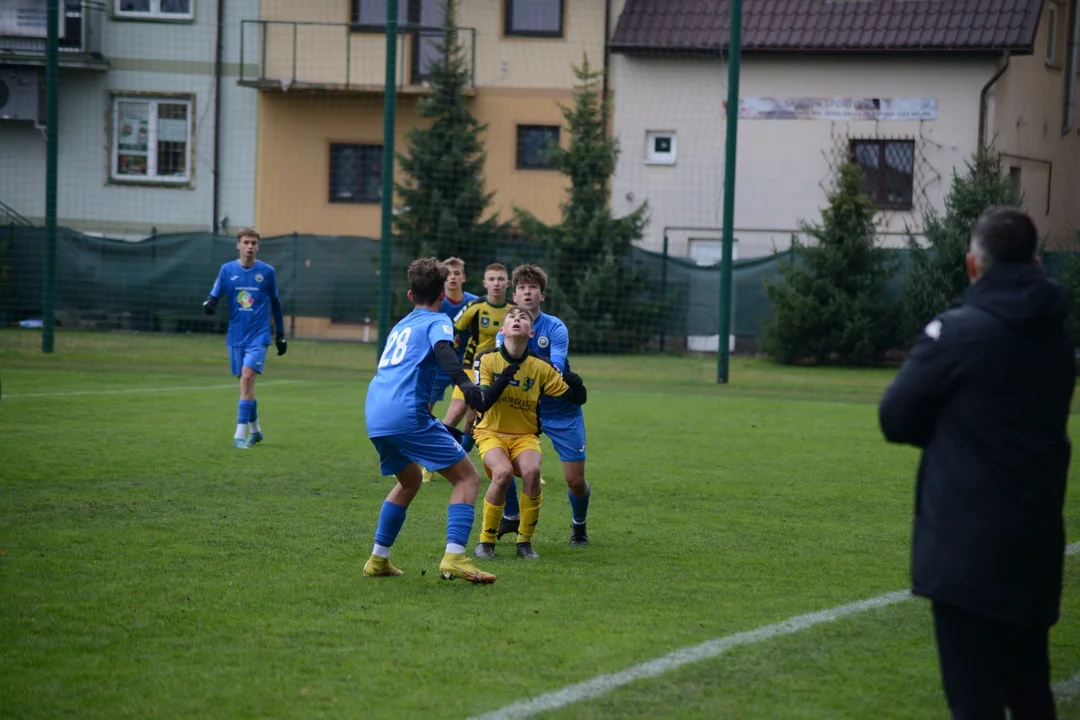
pixel 489 531
pixel 530 514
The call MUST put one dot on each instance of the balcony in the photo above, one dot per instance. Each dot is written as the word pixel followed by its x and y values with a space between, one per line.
pixel 22 40
pixel 312 56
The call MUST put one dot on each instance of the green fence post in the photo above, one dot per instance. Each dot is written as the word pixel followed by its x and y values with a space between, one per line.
pixel 292 286
pixel 52 121
pixel 389 120
pixel 723 355
pixel 663 294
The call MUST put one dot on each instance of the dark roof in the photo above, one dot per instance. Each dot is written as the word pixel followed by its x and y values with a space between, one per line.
pixel 830 25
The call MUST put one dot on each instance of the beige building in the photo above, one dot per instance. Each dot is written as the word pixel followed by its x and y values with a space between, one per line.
pixel 907 93
pixel 320 78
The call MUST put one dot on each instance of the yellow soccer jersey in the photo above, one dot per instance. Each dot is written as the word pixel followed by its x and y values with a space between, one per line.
pixel 478 323
pixel 514 413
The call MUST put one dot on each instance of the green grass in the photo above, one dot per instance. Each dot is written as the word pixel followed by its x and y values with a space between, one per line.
pixel 149 570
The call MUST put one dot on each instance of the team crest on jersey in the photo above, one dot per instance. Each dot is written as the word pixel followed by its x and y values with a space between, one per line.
pixel 542 341
pixel 259 278
pixel 485 321
pixel 244 299
pixel 527 384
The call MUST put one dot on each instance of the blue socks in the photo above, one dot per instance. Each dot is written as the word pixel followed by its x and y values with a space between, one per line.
pixel 512 508
pixel 245 412
pixel 254 417
pixel 459 522
pixel 579 507
pixel 391 518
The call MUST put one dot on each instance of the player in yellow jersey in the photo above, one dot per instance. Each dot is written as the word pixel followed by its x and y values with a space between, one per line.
pixel 475 329
pixel 507 434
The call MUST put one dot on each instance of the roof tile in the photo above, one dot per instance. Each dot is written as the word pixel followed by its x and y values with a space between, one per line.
pixel 836 25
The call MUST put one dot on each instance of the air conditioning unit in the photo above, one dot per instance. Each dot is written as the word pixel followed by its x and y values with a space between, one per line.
pixel 21 93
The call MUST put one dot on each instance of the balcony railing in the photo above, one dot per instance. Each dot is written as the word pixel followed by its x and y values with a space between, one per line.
pixel 297 55
pixel 80 40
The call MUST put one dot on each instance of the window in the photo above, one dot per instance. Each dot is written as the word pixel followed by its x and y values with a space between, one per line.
pixel 355 173
pixel 534 18
pixel 534 146
pixel 1014 180
pixel 660 148
pixel 151 139
pixel 156 9
pixel 888 171
pixel 1051 33
pixel 371 14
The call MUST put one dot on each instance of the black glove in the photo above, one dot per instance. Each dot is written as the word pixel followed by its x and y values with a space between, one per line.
pixel 209 305
pixel 474 397
pixel 281 345
pixel 572 379
pixel 509 371
pixel 577 394
pixel 458 435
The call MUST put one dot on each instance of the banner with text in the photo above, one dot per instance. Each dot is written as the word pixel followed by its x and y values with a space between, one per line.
pixel 771 108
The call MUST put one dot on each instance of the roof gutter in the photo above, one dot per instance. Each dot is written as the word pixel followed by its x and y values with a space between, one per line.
pixel 982 100
pixel 1071 70
pixel 607 67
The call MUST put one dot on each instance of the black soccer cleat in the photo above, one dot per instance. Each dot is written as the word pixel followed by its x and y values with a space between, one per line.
pixel 507 526
pixel 579 536
pixel 525 550
pixel 484 550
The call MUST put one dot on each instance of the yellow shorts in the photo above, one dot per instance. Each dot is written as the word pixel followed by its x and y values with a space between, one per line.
pixel 512 445
pixel 457 394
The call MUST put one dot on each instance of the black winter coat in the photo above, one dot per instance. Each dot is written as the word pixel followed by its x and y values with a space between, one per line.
pixel 986 393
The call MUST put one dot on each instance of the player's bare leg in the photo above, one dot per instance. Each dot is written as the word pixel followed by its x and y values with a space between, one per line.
pixel 455 563
pixel 527 467
pixel 391 518
pixel 574 472
pixel 502 472
pixel 455 412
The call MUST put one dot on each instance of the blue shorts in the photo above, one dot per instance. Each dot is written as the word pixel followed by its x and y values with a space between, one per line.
pixel 432 447
pixel 242 356
pixel 568 436
pixel 438 388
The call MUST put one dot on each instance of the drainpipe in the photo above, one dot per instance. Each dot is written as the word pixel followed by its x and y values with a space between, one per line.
pixel 1070 71
pixel 982 101
pixel 218 51
pixel 607 65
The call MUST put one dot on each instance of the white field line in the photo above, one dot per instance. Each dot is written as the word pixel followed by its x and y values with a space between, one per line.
pixel 603 684
pixel 126 391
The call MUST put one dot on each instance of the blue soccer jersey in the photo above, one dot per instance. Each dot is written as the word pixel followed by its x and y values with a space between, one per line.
pixel 397 398
pixel 451 309
pixel 250 292
pixel 551 341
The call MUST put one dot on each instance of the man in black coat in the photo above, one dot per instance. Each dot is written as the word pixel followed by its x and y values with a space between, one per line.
pixel 986 393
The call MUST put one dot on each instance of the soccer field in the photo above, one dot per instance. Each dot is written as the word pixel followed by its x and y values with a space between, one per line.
pixel 149 570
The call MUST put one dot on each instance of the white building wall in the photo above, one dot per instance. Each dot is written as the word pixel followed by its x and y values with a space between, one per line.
pixel 783 166
pixel 145 57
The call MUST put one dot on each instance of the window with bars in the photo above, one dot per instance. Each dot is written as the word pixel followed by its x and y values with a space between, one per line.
pixel 888 171
pixel 152 139
pixel 355 173
pixel 534 145
pixel 533 18
pixel 156 9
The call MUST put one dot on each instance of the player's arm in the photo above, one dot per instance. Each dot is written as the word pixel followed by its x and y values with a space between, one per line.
pixel 559 346
pixel 909 408
pixel 477 397
pixel 491 386
pixel 279 316
pixel 215 293
pixel 462 325
pixel 569 387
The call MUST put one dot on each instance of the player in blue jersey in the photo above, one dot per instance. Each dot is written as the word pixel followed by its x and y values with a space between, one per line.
pixel 456 298
pixel 561 421
pixel 407 435
pixel 251 287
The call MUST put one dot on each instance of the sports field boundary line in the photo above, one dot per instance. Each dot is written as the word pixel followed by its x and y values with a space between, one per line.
pixel 603 684
pixel 127 391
